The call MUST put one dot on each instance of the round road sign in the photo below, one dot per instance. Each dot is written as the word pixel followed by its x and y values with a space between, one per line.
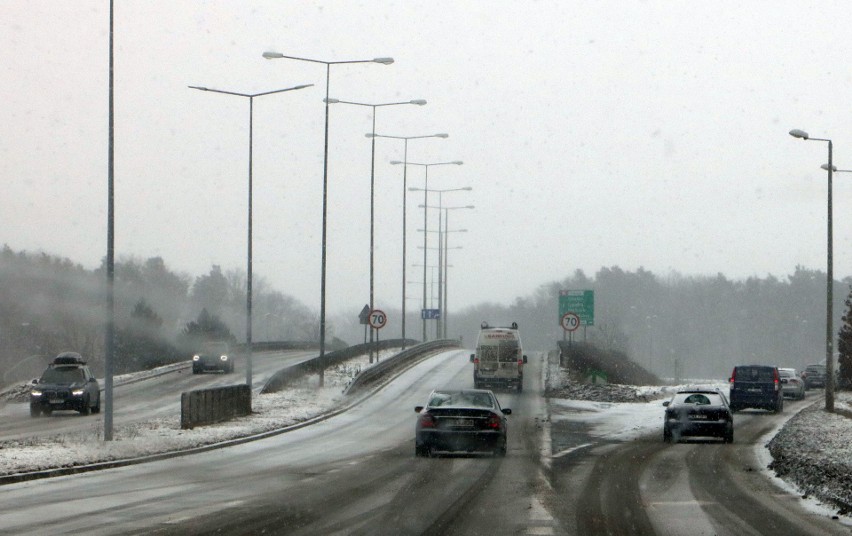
pixel 378 318
pixel 570 322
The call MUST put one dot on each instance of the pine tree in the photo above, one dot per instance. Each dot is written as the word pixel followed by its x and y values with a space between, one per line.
pixel 844 346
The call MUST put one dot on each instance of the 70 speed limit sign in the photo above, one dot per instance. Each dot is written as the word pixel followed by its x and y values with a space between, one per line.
pixel 570 322
pixel 377 319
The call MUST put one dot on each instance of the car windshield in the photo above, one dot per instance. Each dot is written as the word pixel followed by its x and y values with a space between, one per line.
pixel 63 375
pixel 786 373
pixel 215 348
pixel 461 399
pixel 698 399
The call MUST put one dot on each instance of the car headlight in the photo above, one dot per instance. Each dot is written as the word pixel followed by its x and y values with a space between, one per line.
pixel 77 392
pixel 196 357
pixel 223 357
pixel 35 392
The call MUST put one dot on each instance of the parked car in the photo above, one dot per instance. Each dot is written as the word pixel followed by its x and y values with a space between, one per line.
pixel 67 384
pixel 468 420
pixel 214 355
pixel 792 384
pixel 756 386
pixel 698 412
pixel 815 376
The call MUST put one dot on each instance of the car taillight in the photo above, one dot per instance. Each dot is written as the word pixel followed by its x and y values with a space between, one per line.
pixel 520 362
pixel 494 422
pixel 777 381
pixel 428 421
pixel 475 360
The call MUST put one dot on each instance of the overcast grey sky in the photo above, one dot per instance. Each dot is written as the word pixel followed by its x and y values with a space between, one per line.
pixel 594 134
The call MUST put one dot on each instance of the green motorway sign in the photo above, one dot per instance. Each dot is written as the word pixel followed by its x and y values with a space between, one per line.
pixel 579 302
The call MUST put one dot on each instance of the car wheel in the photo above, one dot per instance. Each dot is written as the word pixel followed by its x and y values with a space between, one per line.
pixel 729 434
pixel 421 451
pixel 667 435
pixel 35 411
pixel 520 387
pixel 97 407
pixel 501 450
pixel 47 411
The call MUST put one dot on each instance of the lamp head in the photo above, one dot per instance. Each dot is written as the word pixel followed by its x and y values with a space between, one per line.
pixel 384 61
pixel 796 133
pixel 331 101
pixel 418 102
pixel 825 167
pixel 442 135
pixel 272 55
pixel 396 162
pixel 457 162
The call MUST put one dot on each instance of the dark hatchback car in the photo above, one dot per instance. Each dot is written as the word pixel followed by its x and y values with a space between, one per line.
pixel 756 386
pixel 214 356
pixel 815 376
pixel 461 421
pixel 67 384
pixel 698 413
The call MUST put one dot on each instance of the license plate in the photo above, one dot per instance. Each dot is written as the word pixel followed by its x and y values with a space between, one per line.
pixel 754 390
pixel 56 401
pixel 698 417
pixel 463 423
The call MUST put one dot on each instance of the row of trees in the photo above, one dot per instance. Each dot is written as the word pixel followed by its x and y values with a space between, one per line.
pixel 701 325
pixel 49 304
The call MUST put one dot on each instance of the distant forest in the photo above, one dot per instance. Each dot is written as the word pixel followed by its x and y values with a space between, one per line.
pixel 709 324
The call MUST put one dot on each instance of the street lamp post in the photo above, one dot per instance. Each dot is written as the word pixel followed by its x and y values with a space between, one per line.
pixel 440 193
pixel 250 97
pixel 277 55
pixel 404 211
pixel 425 220
pixel 829 327
pixel 372 136
pixel 440 331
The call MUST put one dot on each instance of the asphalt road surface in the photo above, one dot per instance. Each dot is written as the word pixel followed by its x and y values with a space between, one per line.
pixel 356 474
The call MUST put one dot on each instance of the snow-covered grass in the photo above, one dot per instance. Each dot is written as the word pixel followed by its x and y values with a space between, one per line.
pixel 297 403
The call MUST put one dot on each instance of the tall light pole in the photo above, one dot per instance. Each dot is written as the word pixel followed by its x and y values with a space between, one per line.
pixel 446 261
pixel 372 136
pixel 443 265
pixel 426 222
pixel 250 97
pixel 440 192
pixel 109 334
pixel 404 211
pixel 829 324
pixel 384 61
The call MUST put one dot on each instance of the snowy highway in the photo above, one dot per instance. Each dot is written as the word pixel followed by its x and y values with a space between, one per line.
pixel 147 399
pixel 356 473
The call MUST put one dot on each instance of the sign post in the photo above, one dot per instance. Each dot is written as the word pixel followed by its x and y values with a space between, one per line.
pixel 377 320
pixel 579 302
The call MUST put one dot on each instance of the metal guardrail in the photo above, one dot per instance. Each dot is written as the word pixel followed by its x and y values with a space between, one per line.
pixel 371 374
pixel 284 376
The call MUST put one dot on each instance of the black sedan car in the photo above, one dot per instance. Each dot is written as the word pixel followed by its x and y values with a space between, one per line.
pixel 698 412
pixel 461 421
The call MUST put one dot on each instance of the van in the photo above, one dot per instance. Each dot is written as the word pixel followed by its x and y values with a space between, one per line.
pixel 756 386
pixel 499 358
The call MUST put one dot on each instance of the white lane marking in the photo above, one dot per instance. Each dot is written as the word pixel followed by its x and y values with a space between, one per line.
pixel 572 449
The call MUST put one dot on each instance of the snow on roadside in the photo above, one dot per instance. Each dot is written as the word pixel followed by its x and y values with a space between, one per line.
pixel 297 403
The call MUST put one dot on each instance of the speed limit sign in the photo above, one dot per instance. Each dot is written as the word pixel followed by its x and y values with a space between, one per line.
pixel 570 322
pixel 378 319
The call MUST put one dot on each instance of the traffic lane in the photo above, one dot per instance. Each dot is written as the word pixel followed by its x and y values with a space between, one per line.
pixel 696 487
pixel 152 398
pixel 192 490
pixel 391 491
